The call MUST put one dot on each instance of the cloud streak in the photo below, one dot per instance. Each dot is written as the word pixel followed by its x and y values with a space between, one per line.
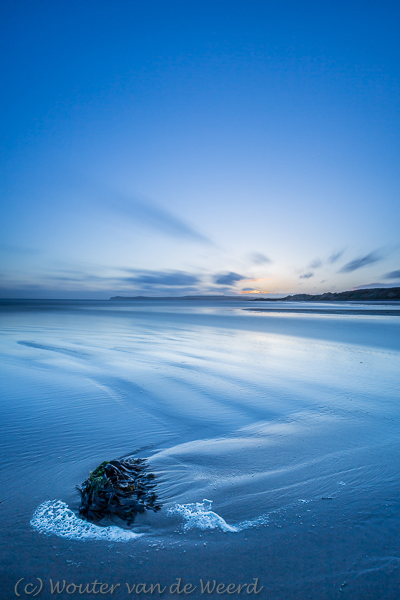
pixel 155 217
pixel 12 249
pixel 335 257
pixel 316 263
pixel 165 278
pixel 228 278
pixel 392 275
pixel 361 262
pixel 375 285
pixel 259 259
pixel 138 277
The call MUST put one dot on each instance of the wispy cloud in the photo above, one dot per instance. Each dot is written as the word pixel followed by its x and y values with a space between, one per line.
pixel 259 259
pixel 316 263
pixel 363 261
pixel 149 214
pixel 129 282
pixel 375 285
pixel 335 256
pixel 137 276
pixel 252 291
pixel 164 278
pixel 12 249
pixel 392 275
pixel 306 275
pixel 228 278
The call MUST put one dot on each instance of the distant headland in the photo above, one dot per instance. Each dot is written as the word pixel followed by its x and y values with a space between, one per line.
pixel 361 294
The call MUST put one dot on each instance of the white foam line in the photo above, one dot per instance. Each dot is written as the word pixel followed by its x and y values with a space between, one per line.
pixel 252 523
pixel 199 515
pixel 54 517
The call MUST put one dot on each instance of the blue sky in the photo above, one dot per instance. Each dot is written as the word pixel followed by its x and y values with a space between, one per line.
pixel 183 147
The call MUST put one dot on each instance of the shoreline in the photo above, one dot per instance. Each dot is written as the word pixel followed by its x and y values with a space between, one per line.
pixel 333 311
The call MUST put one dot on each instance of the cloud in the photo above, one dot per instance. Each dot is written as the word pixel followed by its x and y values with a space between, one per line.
pixel 253 291
pixel 375 285
pixel 316 264
pixel 358 263
pixel 335 256
pixel 155 217
pixel 392 275
pixel 12 249
pixel 164 278
pixel 259 259
pixel 131 280
pixel 306 276
pixel 228 278
pixel 79 277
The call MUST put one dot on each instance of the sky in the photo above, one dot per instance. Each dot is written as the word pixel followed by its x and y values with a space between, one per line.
pixel 167 148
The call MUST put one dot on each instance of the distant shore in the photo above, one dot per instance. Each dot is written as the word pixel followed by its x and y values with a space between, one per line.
pixel 362 294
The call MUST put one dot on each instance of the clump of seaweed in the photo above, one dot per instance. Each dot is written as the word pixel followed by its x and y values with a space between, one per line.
pixel 121 488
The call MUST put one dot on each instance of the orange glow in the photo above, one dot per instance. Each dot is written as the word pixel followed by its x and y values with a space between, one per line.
pixel 254 292
pixel 260 279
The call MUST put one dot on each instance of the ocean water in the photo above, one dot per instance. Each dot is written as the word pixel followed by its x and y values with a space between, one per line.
pixel 274 437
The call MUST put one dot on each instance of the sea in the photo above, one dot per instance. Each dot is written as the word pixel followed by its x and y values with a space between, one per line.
pixel 273 434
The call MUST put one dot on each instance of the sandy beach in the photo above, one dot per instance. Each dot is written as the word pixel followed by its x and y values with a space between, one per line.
pixel 273 437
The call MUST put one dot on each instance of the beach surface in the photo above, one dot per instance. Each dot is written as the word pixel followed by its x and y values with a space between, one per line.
pixel 273 433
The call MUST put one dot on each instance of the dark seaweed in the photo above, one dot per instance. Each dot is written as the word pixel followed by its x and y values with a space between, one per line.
pixel 121 488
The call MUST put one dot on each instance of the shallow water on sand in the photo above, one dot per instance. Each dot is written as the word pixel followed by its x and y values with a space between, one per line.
pixel 274 437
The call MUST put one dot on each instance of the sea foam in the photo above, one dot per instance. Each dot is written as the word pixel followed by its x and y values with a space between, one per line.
pixel 54 517
pixel 199 515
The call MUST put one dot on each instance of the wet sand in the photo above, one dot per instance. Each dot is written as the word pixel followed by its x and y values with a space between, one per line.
pixel 332 311
pixel 287 423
